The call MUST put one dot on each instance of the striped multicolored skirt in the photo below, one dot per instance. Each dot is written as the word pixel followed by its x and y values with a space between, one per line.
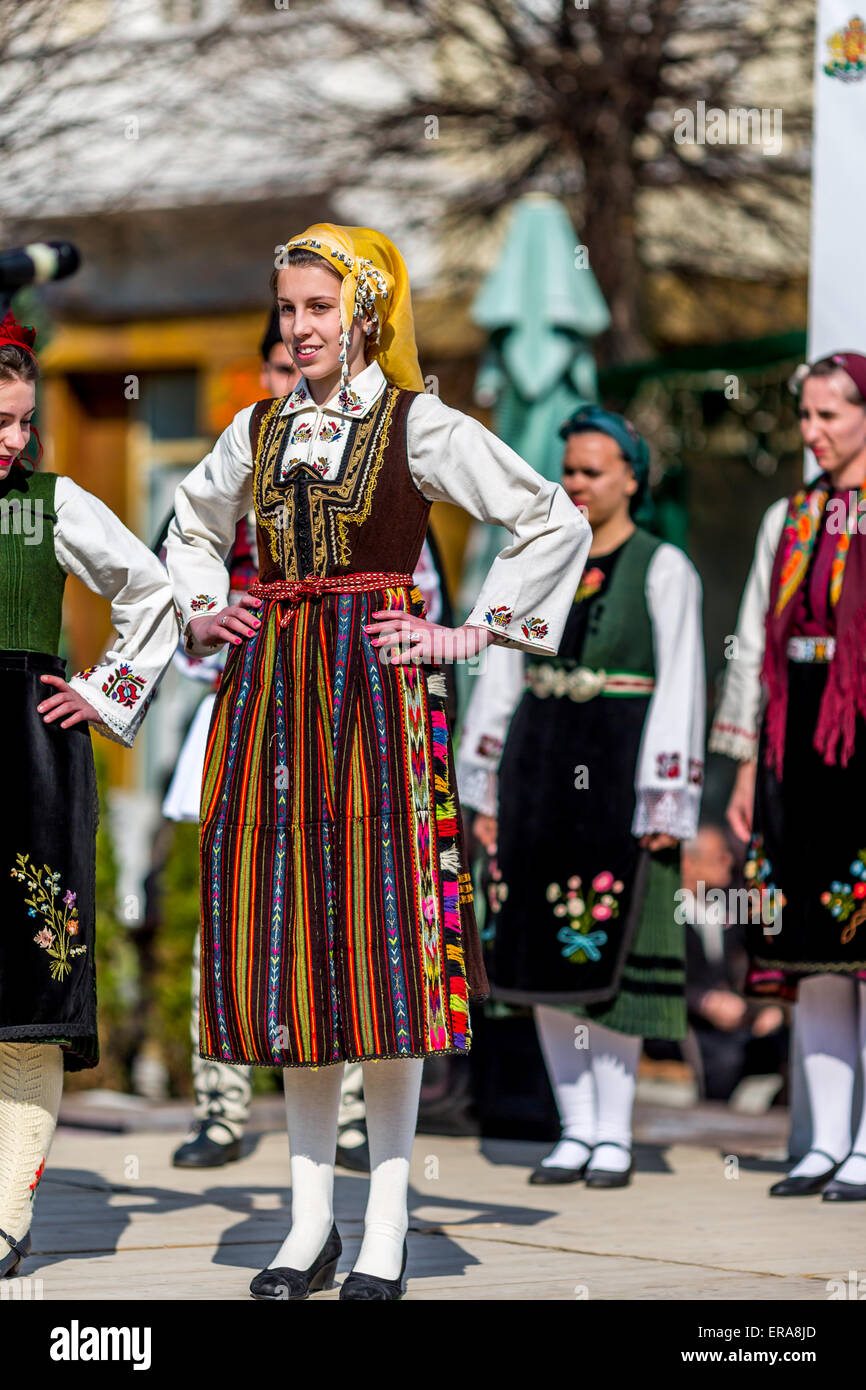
pixel 336 903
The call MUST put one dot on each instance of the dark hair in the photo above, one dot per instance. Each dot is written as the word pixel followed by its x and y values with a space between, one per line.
pixel 17 365
pixel 828 366
pixel 271 335
pixel 299 255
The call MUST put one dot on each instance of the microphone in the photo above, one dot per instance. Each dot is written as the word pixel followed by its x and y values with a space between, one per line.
pixel 37 263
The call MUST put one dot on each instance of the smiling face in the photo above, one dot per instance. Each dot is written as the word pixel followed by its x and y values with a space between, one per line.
pixel 17 404
pixel 309 303
pixel 832 426
pixel 596 477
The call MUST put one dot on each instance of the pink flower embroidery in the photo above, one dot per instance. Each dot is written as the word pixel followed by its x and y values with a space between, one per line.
pixel 603 881
pixel 601 912
pixel 590 582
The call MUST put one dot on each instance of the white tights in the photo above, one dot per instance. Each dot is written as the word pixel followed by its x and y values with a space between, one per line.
pixel 593 1072
pixel 31 1082
pixel 391 1091
pixel 831 1017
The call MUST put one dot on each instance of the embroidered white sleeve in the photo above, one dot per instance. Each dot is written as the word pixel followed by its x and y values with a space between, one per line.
pixel 670 764
pixel 208 505
pixel 94 545
pixel 527 595
pixel 495 696
pixel 736 725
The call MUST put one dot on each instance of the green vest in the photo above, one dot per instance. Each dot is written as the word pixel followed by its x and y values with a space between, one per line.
pixel 619 636
pixel 621 639
pixel 31 580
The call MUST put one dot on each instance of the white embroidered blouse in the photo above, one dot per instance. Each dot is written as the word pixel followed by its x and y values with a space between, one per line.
pixel 527 594
pixel 669 770
pixel 737 723
pixel 94 545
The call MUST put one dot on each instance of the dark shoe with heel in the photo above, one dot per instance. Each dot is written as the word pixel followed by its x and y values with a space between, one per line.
pixel 367 1288
pixel 204 1152
pixel 806 1187
pixel 838 1190
pixel 611 1177
pixel 553 1174
pixel 18 1250
pixel 283 1284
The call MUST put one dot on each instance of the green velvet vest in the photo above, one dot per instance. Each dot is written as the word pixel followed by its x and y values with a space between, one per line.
pixel 622 637
pixel 31 580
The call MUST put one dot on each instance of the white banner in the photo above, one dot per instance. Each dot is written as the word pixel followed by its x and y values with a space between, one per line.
pixel 837 281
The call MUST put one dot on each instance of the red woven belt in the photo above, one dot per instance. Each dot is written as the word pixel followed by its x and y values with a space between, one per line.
pixel 293 590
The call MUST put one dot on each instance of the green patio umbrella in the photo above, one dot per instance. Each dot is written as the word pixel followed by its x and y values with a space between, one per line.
pixel 541 307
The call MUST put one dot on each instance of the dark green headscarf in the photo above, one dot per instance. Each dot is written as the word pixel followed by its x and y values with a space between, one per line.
pixel 593 419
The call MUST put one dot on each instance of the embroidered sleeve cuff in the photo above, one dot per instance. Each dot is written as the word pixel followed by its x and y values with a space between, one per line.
pixel 666 811
pixel 733 741
pixel 478 789
pixel 119 696
pixel 529 634
pixel 197 607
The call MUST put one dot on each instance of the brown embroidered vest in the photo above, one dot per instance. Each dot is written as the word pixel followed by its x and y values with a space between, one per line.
pixel 369 517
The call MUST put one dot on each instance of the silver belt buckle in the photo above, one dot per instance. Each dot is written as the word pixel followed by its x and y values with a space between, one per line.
pixel 579 685
pixel 585 684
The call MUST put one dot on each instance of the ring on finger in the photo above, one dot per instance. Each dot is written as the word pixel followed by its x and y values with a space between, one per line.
pixel 223 620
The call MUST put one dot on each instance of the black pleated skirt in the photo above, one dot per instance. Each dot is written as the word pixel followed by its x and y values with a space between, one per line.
pixel 48 870
pixel 808 854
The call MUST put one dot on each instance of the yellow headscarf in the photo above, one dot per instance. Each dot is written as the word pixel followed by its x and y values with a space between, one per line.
pixel 374 278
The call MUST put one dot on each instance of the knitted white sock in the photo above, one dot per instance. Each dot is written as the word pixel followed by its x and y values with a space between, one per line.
pixel 570 1072
pixel 31 1082
pixel 391 1091
pixel 312 1103
pixel 614 1057
pixel 827 1019
pixel 854 1168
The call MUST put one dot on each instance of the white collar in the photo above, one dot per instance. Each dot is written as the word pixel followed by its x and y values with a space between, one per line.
pixel 361 394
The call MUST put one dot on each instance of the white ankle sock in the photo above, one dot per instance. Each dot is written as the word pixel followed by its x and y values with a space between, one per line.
pixel 827 1020
pixel 854 1168
pixel 312 1105
pixel 570 1073
pixel 31 1083
pixel 615 1057
pixel 391 1091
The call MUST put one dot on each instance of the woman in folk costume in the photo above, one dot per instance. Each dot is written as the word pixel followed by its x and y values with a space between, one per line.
pixel 583 807
pixel 337 919
pixel 52 528
pixel 798 797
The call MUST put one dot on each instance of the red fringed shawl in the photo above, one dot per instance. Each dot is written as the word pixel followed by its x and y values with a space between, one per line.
pixel 844 695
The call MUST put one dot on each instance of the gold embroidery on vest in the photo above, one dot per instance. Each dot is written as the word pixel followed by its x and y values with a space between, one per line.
pixel 362 512
pixel 275 511
pixel 332 506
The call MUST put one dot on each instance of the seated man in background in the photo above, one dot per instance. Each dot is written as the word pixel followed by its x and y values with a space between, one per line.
pixel 736 1038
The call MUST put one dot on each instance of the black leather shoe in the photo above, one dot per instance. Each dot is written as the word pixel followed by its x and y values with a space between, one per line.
pixel 554 1174
pixel 365 1288
pixel 18 1249
pixel 611 1177
pixel 356 1159
pixel 202 1152
pixel 838 1190
pixel 806 1187
pixel 284 1284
